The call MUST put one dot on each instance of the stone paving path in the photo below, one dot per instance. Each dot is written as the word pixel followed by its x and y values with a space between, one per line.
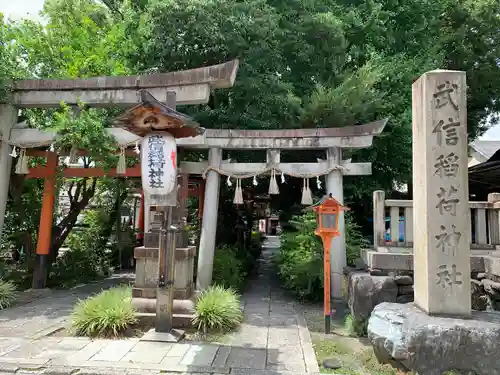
pixel 273 340
pixel 41 317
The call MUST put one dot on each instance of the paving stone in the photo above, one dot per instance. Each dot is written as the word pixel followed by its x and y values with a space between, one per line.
pixel 200 355
pixel 170 361
pixel 153 356
pixel 178 350
pixel 221 356
pixel 50 311
pixel 65 347
pixel 114 351
pixel 90 350
pixel 31 349
pixel 284 355
pixel 247 358
pixel 145 346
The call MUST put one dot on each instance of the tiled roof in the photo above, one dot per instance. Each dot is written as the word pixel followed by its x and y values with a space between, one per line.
pixel 486 148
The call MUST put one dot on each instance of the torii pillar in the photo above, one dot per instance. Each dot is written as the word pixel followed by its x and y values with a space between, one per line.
pixel 8 117
pixel 338 257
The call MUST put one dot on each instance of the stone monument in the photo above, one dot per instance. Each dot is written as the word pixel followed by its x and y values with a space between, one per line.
pixel 441 198
pixel 439 332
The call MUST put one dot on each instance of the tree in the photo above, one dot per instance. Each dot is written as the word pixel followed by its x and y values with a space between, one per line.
pixel 325 63
pixel 77 41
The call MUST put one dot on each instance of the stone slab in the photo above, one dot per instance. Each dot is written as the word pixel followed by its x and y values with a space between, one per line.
pixel 90 350
pixel 200 355
pixel 116 366
pixel 406 336
pixel 247 358
pixel 400 261
pixel 151 356
pixel 114 351
pixel 175 335
pixel 178 350
pixel 221 357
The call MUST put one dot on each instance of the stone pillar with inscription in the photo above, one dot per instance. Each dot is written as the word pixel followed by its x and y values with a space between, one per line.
pixel 440 199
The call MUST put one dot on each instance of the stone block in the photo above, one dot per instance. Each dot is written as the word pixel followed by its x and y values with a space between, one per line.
pixel 492 266
pixel 477 263
pixel 405 289
pixel 390 261
pixel 200 355
pixel 366 291
pixel 147 270
pixel 405 336
pixel 405 298
pixel 403 280
pixel 247 358
pixel 479 297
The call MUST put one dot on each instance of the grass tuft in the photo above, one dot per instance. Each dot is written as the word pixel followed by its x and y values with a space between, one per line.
pixel 107 314
pixel 217 308
pixel 7 294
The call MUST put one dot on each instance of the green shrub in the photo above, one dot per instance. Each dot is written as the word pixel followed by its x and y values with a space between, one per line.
pixel 108 314
pixel 7 294
pixel 354 240
pixel 76 266
pixel 354 327
pixel 217 308
pixel 300 259
pixel 228 268
pixel 256 241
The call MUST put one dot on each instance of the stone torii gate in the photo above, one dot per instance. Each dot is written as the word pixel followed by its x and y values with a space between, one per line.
pixel 332 140
pixel 191 87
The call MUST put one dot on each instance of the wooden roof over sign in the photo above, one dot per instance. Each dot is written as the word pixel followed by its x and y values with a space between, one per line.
pixel 152 115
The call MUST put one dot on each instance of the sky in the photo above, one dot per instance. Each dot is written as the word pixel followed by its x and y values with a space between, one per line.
pixel 17 9
pixel 30 8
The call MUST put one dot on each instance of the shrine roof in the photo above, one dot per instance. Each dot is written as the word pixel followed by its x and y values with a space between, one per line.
pixel 178 124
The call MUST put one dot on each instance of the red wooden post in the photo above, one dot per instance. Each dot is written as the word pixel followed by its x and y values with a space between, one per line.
pixel 140 235
pixel 46 223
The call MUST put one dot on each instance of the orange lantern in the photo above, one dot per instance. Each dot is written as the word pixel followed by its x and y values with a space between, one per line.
pixel 327 220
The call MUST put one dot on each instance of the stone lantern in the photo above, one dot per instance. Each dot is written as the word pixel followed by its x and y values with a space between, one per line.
pixel 160 125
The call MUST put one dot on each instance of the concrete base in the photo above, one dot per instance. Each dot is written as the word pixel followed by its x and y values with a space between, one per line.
pixel 175 335
pixel 408 338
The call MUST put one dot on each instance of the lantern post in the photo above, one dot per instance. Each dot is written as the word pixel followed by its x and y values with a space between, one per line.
pixel 159 125
pixel 327 223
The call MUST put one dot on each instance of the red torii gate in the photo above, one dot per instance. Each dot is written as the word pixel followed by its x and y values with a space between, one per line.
pixel 196 188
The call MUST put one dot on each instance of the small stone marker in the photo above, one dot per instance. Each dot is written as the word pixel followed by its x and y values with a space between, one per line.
pixel 440 198
pixel 332 363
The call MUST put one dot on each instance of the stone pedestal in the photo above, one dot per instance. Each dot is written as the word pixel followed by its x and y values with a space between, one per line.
pixel 146 272
pixel 440 197
pixel 408 338
pixel 145 290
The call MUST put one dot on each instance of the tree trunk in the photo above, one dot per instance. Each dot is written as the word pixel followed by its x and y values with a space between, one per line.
pixel 63 229
pixel 113 215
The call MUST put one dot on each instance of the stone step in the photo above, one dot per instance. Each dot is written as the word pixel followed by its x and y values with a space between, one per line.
pixel 179 320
